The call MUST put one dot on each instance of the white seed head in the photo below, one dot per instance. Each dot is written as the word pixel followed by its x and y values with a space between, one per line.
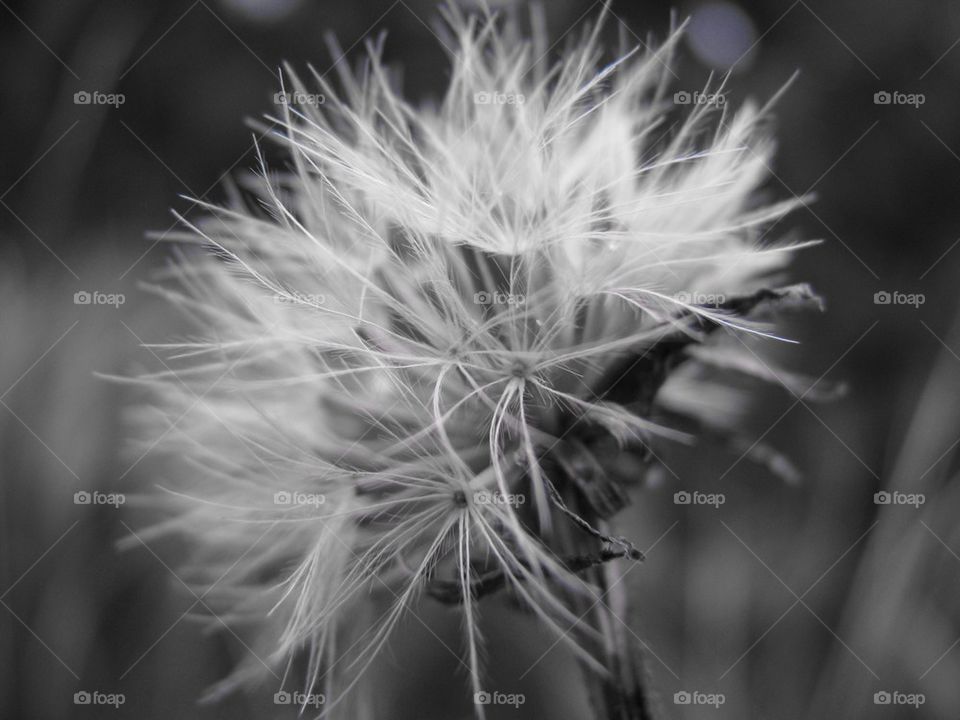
pixel 405 342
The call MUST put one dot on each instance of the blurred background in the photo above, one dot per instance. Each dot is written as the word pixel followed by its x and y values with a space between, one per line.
pixel 792 602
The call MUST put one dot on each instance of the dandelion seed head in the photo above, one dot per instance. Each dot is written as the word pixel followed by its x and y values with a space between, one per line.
pixel 410 345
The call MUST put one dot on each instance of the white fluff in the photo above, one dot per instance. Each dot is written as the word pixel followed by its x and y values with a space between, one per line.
pixel 343 348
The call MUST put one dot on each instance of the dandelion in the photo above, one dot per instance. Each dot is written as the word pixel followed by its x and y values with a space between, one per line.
pixel 421 348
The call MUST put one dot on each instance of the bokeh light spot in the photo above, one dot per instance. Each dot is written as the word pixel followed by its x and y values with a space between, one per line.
pixel 721 35
pixel 265 11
